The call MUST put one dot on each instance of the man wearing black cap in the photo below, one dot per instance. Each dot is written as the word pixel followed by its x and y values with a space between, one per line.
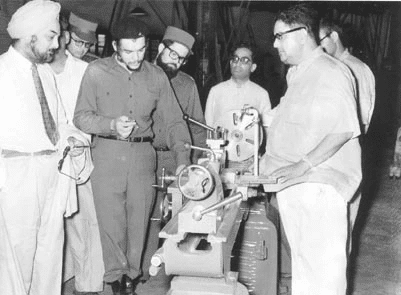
pixel 117 98
pixel 83 36
pixel 83 252
pixel 173 52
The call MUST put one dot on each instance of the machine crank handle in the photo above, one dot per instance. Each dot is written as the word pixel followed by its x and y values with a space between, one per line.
pixel 189 119
pixel 197 215
pixel 164 178
pixel 156 262
pixel 209 151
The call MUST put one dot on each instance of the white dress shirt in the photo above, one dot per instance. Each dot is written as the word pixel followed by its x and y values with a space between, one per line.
pixel 229 96
pixel 366 87
pixel 21 123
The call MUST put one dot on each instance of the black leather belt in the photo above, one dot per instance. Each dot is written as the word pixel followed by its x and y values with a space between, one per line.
pixel 12 153
pixel 162 149
pixel 129 139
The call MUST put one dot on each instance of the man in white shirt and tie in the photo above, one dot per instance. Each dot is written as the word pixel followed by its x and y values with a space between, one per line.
pixel 34 135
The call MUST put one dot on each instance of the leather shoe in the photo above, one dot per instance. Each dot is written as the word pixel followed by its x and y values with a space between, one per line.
pixel 115 287
pixel 128 285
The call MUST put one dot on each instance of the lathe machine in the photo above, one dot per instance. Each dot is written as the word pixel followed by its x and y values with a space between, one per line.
pixel 221 238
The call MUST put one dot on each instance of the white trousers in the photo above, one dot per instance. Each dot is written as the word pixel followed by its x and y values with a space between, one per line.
pixel 315 221
pixel 31 221
pixel 83 250
pixel 353 209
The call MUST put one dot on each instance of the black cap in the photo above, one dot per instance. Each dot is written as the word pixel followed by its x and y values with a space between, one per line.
pixel 130 28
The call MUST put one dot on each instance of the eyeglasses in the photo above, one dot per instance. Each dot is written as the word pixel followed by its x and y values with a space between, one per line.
pixel 175 56
pixel 327 35
pixel 80 43
pixel 244 59
pixel 61 162
pixel 279 36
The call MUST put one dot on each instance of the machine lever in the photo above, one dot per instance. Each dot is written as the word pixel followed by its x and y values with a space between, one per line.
pixel 197 215
pixel 189 119
pixel 209 151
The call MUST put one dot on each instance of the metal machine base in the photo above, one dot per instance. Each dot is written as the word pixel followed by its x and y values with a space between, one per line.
pixel 181 285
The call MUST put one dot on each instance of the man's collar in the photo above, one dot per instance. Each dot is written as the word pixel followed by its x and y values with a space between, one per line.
pixel 306 62
pixel 239 85
pixel 20 60
pixel 344 55
pixel 310 57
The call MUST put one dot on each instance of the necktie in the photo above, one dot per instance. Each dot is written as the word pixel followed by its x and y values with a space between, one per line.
pixel 50 125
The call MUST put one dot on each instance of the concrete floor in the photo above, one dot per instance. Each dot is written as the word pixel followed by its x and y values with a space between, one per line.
pixel 376 260
pixel 375 266
pixel 158 285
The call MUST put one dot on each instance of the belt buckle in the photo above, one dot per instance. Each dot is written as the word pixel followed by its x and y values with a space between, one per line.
pixel 162 149
pixel 119 138
pixel 137 139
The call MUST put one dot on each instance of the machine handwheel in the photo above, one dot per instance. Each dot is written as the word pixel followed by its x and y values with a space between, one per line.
pixel 195 182
pixel 165 209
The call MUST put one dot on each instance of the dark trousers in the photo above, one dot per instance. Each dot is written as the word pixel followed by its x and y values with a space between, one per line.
pixel 122 187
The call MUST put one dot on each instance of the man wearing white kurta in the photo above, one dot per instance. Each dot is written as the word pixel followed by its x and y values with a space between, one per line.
pixel 34 196
pixel 83 256
pixel 239 90
pixel 236 94
pixel 334 40
pixel 313 141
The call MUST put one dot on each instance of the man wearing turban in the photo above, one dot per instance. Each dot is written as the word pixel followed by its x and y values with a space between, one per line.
pixel 36 187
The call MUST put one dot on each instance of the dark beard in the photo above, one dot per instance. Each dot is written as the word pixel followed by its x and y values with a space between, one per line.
pixel 134 70
pixel 171 73
pixel 42 58
pixel 119 58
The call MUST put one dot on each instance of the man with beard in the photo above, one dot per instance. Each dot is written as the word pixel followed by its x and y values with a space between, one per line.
pixel 173 52
pixel 34 132
pixel 117 98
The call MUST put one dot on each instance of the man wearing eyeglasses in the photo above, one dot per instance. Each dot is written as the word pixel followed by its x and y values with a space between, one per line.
pixel 117 97
pixel 83 36
pixel 238 91
pixel 173 53
pixel 83 252
pixel 335 39
pixel 313 151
